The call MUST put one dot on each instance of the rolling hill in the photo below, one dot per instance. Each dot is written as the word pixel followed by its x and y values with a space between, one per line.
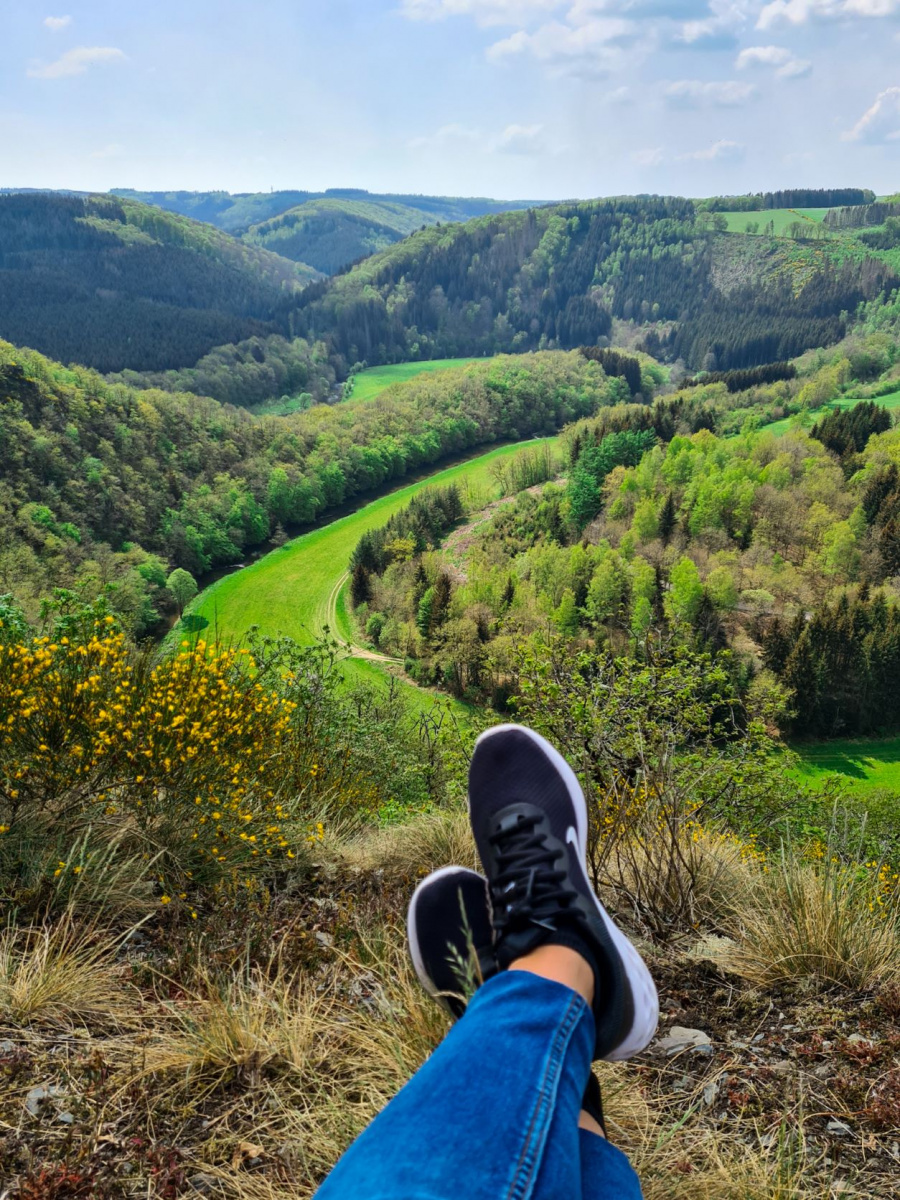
pixel 237 213
pixel 113 283
pixel 331 234
pixel 558 277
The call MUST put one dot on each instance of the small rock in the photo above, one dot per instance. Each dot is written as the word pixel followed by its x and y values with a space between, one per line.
pixel 7 1047
pixel 838 1127
pixel 207 1185
pixel 781 1068
pixel 325 939
pixel 680 1039
pixel 709 1094
pixel 66 1118
pixel 39 1096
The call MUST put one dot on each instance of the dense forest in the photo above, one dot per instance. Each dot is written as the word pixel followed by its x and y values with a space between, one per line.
pixel 125 287
pixel 790 198
pixel 780 553
pixel 104 488
pixel 331 234
pixel 557 277
pixel 115 284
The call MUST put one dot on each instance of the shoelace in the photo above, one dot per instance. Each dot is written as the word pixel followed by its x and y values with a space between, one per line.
pixel 527 888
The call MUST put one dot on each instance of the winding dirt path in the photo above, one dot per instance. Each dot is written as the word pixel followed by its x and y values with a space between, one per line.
pixel 352 649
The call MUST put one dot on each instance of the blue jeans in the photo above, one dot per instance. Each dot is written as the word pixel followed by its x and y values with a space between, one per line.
pixel 493 1113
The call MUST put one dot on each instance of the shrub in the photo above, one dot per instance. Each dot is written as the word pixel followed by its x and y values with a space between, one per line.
pixel 822 921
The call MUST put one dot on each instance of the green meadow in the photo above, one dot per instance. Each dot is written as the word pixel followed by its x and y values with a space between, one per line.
pixel 863 764
pixel 780 217
pixel 890 401
pixel 296 590
pixel 374 380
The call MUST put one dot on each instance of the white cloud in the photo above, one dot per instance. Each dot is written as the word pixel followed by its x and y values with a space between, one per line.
pixel 721 151
pixel 76 62
pixel 445 135
pixel 787 64
pixel 55 24
pixel 521 139
pixel 485 12
pixel 881 122
pixel 670 10
pixel 798 12
pixel 618 96
pixel 653 156
pixel 695 93
pixel 591 50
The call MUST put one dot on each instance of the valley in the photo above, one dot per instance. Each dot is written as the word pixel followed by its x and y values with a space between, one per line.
pixel 626 470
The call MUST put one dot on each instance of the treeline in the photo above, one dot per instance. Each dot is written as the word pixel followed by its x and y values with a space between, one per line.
pixel 758 324
pixel 860 216
pixel 236 213
pixel 846 432
pixel 509 283
pixel 418 526
pixel 842 665
pixel 248 373
pixel 113 284
pixel 741 381
pixel 790 198
pixel 614 362
pixel 886 238
pixel 90 470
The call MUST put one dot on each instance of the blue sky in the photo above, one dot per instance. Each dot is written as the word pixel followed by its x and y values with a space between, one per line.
pixel 534 99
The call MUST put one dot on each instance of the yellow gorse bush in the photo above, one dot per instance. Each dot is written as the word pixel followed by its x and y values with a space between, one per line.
pixel 94 731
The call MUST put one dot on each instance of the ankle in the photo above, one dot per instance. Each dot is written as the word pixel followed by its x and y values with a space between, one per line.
pixel 561 965
pixel 591 1124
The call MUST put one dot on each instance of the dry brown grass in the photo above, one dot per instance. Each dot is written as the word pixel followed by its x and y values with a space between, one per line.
pixel 410 850
pixel 60 975
pixel 820 923
pixel 292 1057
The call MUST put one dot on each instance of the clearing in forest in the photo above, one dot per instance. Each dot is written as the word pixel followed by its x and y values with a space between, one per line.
pixel 781 218
pixel 374 380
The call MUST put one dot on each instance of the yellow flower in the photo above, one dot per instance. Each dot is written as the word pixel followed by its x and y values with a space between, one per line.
pixel 165 899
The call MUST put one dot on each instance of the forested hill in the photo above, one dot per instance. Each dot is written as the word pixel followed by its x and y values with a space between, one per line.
pixel 331 234
pixel 113 283
pixel 236 213
pixel 557 277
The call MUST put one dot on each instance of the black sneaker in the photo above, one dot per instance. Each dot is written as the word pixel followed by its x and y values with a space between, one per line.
pixel 449 919
pixel 530 822
pixel 450 936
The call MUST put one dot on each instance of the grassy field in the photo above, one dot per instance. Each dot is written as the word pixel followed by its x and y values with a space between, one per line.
pixel 370 383
pixel 864 764
pixel 781 217
pixel 890 401
pixel 288 591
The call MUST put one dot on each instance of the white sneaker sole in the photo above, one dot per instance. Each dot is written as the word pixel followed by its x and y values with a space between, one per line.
pixel 415 949
pixel 643 989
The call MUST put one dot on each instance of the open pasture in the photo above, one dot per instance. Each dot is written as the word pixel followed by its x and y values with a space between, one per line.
pixel 781 218
pixel 374 380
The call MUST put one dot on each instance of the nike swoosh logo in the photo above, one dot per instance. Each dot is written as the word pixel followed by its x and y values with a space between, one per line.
pixel 572 837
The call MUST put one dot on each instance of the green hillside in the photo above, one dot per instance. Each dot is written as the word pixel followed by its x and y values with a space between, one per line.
pixel 331 234
pixel 237 213
pixel 558 277
pixel 112 283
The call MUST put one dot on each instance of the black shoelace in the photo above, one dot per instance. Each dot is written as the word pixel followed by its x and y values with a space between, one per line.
pixel 527 889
